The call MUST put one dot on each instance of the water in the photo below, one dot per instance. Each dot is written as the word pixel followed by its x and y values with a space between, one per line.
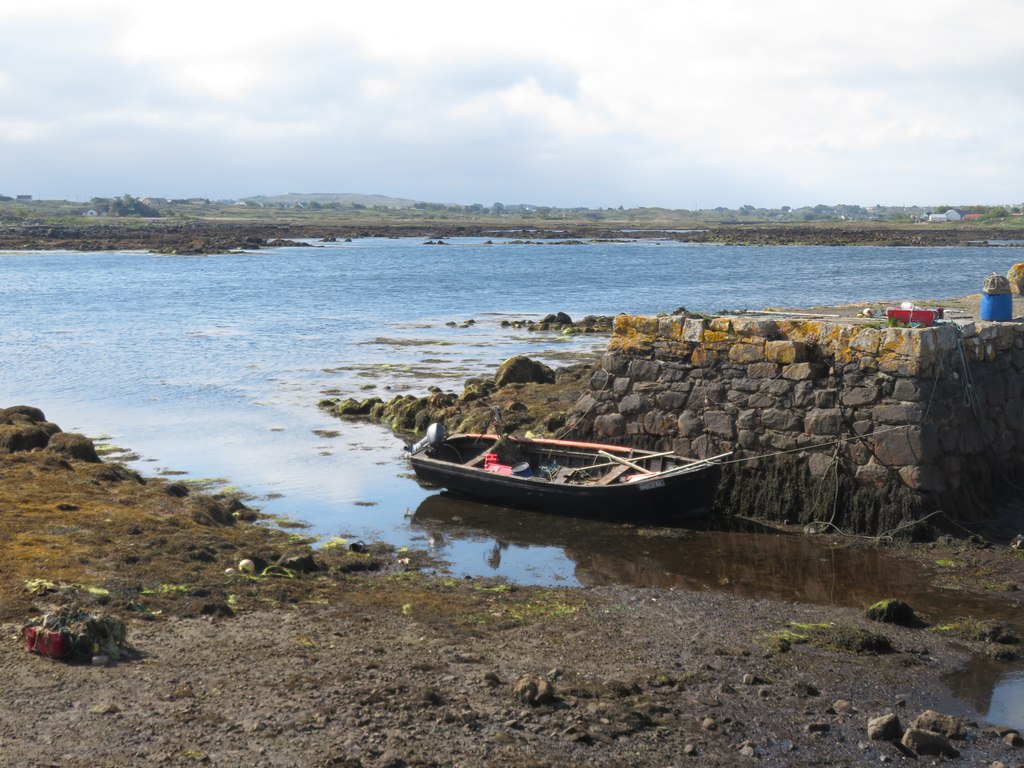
pixel 213 366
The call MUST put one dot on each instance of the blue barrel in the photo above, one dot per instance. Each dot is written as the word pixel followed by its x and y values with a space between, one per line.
pixel 996 306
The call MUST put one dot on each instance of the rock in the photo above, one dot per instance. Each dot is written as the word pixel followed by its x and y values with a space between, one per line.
pixel 18 413
pixel 843 707
pixel 893 611
pixel 818 727
pixel 709 724
pixel 928 743
pixel 522 370
pixel 73 446
pixel 533 690
pixel 22 437
pixel 884 728
pixel 300 563
pixel 1013 739
pixel 949 726
pixel 559 319
pixel 207 510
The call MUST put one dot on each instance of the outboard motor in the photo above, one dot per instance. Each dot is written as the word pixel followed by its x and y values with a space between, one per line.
pixel 435 436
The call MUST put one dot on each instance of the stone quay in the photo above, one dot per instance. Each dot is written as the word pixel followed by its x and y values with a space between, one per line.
pixel 863 426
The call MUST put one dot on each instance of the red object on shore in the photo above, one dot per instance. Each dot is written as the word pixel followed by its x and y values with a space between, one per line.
pixel 47 642
pixel 917 315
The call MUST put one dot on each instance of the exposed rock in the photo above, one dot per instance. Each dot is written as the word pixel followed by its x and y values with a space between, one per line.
pixel 949 726
pixel 207 510
pixel 73 446
pixel 928 743
pixel 533 690
pixel 893 611
pixel 884 728
pixel 522 370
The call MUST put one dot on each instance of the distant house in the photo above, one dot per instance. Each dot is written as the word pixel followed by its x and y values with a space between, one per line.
pixel 973 216
pixel 23 197
pixel 937 217
pixel 953 215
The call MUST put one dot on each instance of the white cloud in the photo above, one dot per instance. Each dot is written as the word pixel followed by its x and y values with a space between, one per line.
pixel 649 102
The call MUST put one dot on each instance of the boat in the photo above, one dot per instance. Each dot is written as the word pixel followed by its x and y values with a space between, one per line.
pixel 568 477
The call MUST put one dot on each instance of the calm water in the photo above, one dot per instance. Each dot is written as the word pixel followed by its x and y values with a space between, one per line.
pixel 212 366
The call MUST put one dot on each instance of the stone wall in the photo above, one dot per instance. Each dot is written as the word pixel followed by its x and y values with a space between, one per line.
pixel 869 427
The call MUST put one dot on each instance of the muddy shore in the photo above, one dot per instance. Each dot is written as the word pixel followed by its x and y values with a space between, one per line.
pixel 370 656
pixel 205 236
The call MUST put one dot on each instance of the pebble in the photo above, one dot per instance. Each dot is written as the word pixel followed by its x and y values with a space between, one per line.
pixel 843 707
pixel 1013 739
pixel 709 724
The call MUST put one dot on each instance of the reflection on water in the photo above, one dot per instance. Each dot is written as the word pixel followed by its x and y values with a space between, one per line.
pixel 736 556
pixel 739 557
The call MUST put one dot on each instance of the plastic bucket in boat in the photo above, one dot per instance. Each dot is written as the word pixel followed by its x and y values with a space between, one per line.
pixel 522 469
pixel 996 306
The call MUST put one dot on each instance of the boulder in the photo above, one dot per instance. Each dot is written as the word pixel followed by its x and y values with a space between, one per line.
pixel 884 728
pixel 949 726
pixel 21 413
pixel 522 370
pixel 207 510
pixel 893 611
pixel 924 742
pixel 22 437
pixel 73 446
pixel 533 690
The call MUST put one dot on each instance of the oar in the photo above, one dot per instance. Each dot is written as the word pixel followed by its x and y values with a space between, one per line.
pixel 691 467
pixel 630 464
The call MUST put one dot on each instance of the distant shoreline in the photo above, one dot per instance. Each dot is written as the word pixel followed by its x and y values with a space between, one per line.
pixel 206 236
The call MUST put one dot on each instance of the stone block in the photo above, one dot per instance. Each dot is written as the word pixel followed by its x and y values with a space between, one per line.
pixel 615 362
pixel 804 394
pixel 719 423
pixel 748 439
pixel 750 326
pixel 659 423
pixel 906 446
pixel 763 370
pixel 747 419
pixel 898 413
pixel 761 400
pixel 906 390
pixel 585 404
pixel 610 425
pixel 826 398
pixel 872 475
pixel 785 352
pixel 634 403
pixel 721 325
pixel 689 424
pixel 671 400
pixel 824 421
pixel 620 385
pixel 857 397
pixel 644 370
pixel 865 342
pixel 804 371
pixel 781 420
pixel 926 477
pixel 599 379
pixel 746 353
pixel 693 329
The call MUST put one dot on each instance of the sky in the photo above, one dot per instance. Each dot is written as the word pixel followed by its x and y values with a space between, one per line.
pixel 671 103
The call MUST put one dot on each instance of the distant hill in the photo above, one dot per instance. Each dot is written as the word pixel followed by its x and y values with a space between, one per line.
pixel 350 198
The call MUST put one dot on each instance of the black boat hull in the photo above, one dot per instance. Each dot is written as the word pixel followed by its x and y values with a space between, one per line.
pixel 677 495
